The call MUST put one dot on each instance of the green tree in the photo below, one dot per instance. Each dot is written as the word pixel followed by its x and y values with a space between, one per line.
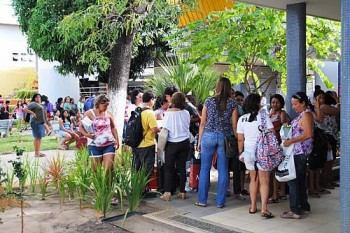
pixel 248 37
pixel 96 36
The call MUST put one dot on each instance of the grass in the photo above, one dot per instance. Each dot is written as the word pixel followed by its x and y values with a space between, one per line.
pixel 6 144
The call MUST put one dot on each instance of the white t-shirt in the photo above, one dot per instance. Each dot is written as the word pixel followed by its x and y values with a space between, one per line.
pixel 131 108
pixel 251 130
pixel 178 124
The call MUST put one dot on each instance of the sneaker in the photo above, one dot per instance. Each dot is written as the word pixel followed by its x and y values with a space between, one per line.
pixel 290 215
pixel 240 197
pixel 305 212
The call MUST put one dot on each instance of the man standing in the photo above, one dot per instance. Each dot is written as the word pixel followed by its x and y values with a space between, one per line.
pixel 143 155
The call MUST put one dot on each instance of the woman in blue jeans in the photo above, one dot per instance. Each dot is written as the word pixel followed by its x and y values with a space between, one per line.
pixel 211 139
pixel 302 137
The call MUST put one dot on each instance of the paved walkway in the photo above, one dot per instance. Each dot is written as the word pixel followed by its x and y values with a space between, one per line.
pixel 323 218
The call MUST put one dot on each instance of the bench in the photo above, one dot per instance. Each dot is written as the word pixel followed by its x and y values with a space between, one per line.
pixel 5 126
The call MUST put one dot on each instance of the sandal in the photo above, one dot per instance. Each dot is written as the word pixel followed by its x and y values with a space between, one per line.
pixel 40 155
pixel 252 212
pixel 200 204
pixel 272 201
pixel 283 197
pixel 325 191
pixel 267 215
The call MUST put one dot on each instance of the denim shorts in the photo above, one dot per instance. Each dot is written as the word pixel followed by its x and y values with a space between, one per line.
pixel 62 133
pixel 95 151
pixel 38 130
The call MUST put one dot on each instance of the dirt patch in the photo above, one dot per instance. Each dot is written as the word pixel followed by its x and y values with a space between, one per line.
pixel 93 226
pixel 50 216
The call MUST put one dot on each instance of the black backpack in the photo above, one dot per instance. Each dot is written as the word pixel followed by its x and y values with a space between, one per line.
pixel 134 130
pixel 320 145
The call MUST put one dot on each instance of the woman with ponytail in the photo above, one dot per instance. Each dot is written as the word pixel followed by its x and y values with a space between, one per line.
pixel 248 133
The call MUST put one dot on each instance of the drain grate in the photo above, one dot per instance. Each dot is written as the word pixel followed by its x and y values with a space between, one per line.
pixel 201 225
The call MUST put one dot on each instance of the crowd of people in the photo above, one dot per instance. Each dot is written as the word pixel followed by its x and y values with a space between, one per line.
pixel 194 127
pixel 242 118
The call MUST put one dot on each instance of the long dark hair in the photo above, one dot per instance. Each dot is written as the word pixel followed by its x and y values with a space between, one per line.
pixel 65 118
pixel 222 92
pixel 252 105
pixel 279 98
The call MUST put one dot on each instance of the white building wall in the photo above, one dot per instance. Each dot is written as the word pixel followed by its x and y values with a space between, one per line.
pixel 14 48
pixel 54 85
pixel 14 53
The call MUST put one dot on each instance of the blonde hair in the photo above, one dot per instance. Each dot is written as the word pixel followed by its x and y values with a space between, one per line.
pixel 101 99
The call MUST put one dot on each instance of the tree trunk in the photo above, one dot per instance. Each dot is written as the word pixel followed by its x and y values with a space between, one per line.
pixel 118 79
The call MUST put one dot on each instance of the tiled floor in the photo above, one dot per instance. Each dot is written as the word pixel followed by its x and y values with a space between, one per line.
pixel 324 217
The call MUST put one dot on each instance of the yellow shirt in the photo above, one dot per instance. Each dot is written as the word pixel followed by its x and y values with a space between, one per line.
pixel 149 121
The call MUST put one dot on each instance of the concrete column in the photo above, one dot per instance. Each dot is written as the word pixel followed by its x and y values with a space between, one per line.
pixel 345 119
pixel 296 52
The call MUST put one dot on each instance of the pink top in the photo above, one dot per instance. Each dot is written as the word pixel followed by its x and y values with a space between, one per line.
pixel 103 131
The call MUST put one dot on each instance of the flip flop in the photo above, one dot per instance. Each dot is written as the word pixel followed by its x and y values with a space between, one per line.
pixel 40 155
pixel 267 215
pixel 200 204
pixel 252 212
pixel 272 201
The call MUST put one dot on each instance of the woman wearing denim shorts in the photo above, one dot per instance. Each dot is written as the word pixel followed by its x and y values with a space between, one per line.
pixel 38 112
pixel 102 136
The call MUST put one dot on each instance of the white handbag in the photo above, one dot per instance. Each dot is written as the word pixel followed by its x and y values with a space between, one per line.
pixel 162 139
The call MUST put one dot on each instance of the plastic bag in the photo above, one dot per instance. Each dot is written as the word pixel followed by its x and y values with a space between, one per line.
pixel 286 170
pixel 286 132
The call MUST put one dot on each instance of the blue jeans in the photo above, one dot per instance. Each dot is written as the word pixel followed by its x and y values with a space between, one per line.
pixel 212 141
pixel 297 187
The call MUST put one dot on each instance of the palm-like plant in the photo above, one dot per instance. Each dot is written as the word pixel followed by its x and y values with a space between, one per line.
pixel 187 77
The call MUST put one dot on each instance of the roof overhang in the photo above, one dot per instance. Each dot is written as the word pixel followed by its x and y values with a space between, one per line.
pixel 329 9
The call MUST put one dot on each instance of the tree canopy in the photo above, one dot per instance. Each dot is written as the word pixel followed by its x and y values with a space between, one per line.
pixel 247 37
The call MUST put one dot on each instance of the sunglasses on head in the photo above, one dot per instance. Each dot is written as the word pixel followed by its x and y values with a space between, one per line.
pixel 296 96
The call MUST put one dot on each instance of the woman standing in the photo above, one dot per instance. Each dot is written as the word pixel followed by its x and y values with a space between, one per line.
pixel 177 121
pixel 103 140
pixel 302 137
pixel 248 133
pixel 330 114
pixel 38 112
pixel 80 104
pixel 211 138
pixel 19 110
pixel 59 104
pixel 278 117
